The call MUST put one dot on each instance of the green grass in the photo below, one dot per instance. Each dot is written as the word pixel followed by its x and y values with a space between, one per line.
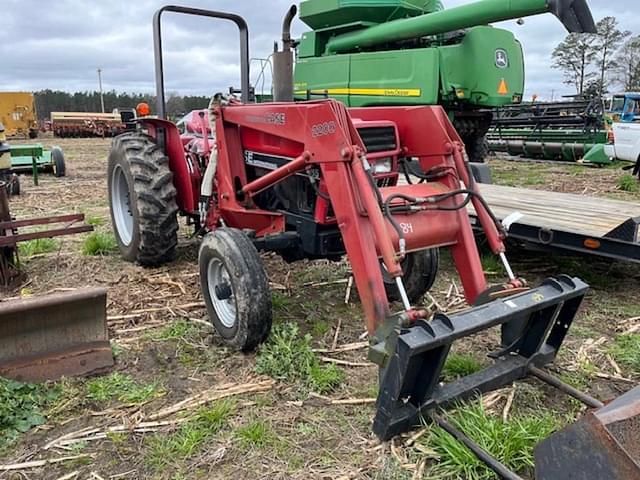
pixel 37 246
pixel 629 183
pixel 626 351
pixel 121 387
pixel 528 176
pixel 182 330
pixel 22 407
pixel 491 264
pixel 192 436
pixel 511 442
pixel 95 221
pixel 256 434
pixel 99 243
pixel 288 357
pixel 460 365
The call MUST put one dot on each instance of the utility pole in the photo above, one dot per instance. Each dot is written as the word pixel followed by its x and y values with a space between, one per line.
pixel 100 85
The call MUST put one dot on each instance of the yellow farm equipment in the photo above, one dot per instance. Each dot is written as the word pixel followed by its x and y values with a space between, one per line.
pixel 18 114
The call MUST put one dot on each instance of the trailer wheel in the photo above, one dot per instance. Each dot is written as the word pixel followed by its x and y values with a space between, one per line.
pixel 57 159
pixel 14 185
pixel 142 200
pixel 420 270
pixel 235 288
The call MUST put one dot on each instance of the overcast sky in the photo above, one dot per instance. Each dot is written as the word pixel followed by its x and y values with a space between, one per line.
pixel 59 44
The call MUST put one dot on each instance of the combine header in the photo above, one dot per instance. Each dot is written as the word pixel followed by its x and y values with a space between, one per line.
pixel 567 131
pixel 317 180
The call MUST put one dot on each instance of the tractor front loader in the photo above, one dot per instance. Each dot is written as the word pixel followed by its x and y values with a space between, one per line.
pixel 318 180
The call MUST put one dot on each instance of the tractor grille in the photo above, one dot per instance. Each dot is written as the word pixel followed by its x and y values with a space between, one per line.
pixel 378 139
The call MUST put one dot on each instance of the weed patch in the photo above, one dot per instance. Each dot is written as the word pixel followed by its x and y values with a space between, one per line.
pixel 121 387
pixel 99 243
pixel 95 221
pixel 288 357
pixel 491 264
pixel 460 365
pixel 626 350
pixel 512 442
pixel 37 246
pixel 22 407
pixel 629 183
pixel 257 434
pixel 181 331
pixel 193 435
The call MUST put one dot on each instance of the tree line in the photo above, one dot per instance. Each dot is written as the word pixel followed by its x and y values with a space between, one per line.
pixel 595 63
pixel 48 101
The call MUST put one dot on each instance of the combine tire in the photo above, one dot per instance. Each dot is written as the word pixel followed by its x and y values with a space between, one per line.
pixel 142 200
pixel 477 149
pixel 235 288
pixel 420 270
pixel 57 159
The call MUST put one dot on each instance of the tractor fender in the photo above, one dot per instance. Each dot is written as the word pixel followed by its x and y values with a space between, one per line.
pixel 185 175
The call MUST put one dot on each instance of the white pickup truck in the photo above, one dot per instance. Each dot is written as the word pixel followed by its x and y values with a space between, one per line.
pixel 625 141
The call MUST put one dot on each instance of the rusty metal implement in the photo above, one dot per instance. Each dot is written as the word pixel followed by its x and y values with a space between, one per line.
pixel 603 444
pixel 51 336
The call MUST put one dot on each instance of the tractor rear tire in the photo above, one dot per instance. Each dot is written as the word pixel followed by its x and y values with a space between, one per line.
pixel 57 159
pixel 142 200
pixel 235 288
pixel 420 270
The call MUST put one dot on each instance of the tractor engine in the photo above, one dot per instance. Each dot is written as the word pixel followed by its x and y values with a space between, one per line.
pixel 312 231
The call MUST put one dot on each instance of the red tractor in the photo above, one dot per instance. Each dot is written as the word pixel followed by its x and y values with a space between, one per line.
pixel 317 180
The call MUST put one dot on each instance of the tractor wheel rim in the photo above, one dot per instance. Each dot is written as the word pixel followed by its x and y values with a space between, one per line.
pixel 217 275
pixel 121 206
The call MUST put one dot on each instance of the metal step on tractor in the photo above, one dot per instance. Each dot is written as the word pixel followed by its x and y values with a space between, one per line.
pixel 316 179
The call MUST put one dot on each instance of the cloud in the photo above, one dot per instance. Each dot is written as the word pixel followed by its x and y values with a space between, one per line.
pixel 67 40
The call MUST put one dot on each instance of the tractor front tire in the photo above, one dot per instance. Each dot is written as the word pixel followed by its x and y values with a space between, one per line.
pixel 142 200
pixel 235 288
pixel 57 159
pixel 420 270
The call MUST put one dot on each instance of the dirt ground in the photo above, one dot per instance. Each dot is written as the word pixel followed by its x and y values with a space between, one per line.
pixel 158 329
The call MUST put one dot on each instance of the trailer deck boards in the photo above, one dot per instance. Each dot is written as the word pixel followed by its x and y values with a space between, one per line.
pixel 566 221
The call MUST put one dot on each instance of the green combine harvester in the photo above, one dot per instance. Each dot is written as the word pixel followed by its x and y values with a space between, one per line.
pixel 414 52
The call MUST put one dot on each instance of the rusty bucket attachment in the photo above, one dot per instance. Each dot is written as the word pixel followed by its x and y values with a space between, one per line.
pixel 604 444
pixel 48 337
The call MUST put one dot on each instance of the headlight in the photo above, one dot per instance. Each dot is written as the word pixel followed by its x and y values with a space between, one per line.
pixel 382 166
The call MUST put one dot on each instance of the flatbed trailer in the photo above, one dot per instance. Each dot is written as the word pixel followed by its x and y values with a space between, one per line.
pixel 568 222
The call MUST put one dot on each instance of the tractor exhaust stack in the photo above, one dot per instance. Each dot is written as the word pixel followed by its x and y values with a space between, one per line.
pixel 283 62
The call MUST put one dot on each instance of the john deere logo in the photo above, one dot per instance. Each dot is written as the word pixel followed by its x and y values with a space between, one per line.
pixel 502 59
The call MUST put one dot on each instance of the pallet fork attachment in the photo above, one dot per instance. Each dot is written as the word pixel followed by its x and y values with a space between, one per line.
pixel 410 385
pixel 603 444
